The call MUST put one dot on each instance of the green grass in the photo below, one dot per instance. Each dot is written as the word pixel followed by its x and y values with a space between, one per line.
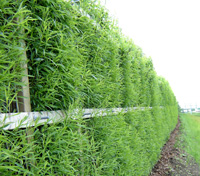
pixel 191 131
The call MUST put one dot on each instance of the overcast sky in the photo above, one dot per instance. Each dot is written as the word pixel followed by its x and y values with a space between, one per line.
pixel 169 32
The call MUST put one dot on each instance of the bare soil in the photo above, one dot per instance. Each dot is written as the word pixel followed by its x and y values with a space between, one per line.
pixel 175 161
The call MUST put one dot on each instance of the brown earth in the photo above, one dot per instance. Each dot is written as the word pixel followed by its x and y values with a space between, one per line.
pixel 174 161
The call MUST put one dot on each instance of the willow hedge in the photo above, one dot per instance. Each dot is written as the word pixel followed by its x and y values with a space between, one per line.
pixel 78 58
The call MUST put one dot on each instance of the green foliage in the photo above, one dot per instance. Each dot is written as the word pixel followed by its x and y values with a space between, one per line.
pixel 78 58
pixel 10 53
pixel 190 126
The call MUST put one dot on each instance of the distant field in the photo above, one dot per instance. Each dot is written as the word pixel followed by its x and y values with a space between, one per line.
pixel 191 134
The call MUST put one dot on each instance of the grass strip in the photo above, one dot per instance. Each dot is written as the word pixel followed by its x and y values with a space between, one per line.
pixel 191 131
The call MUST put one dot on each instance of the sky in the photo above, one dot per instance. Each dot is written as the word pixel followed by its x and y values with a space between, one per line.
pixel 169 32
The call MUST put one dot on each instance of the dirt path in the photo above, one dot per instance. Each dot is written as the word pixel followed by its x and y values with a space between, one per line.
pixel 174 161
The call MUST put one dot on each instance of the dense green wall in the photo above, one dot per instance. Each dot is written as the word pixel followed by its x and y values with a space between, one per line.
pixel 78 58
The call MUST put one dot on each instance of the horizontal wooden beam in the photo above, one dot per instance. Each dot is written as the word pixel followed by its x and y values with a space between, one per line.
pixel 9 121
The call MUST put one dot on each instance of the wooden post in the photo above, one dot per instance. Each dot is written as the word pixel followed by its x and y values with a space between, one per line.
pixel 24 95
pixel 81 151
pixel 24 104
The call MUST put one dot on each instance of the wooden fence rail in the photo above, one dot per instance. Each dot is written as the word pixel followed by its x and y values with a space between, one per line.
pixel 9 121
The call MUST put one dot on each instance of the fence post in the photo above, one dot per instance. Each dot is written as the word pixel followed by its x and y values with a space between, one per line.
pixel 81 151
pixel 24 95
